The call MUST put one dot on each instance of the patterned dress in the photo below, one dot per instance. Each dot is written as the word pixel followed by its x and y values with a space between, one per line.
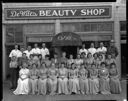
pixel 33 80
pixel 73 81
pixel 63 81
pixel 83 81
pixel 93 82
pixel 104 81
pixel 115 86
pixel 42 81
pixel 52 80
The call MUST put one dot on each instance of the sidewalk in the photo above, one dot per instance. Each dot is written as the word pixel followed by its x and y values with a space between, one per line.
pixel 9 96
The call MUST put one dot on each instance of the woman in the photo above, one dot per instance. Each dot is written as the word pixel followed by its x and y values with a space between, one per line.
pixel 89 60
pixel 78 61
pixel 30 61
pixel 115 86
pixel 100 60
pixel 109 60
pixel 42 81
pixel 62 80
pixel 70 60
pixel 47 61
pixel 63 58
pixel 104 79
pixel 52 80
pixel 40 60
pixel 33 78
pixel 83 80
pixel 93 80
pixel 73 80
pixel 95 59
pixel 23 81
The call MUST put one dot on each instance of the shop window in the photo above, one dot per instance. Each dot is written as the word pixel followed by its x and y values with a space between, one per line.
pixel 94 27
pixel 87 27
pixel 123 26
pixel 70 27
pixel 105 26
pixel 10 34
pixel 39 28
pixel 14 34
pixel 123 1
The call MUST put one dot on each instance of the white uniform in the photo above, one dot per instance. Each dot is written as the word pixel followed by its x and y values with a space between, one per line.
pixel 35 51
pixel 44 52
pixel 103 49
pixel 83 50
pixel 27 53
pixel 16 53
pixel 92 50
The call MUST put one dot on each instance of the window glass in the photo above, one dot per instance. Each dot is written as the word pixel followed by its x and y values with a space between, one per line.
pixel 123 1
pixel 87 27
pixel 123 26
pixel 94 27
pixel 9 34
pixel 14 34
pixel 39 28
pixel 105 26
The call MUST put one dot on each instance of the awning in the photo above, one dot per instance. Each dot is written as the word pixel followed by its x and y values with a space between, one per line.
pixel 66 39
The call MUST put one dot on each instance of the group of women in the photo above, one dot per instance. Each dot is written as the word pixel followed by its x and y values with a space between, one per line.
pixel 87 74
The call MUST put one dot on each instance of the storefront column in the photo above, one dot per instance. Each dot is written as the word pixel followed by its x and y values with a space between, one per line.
pixel 3 53
pixel 57 30
pixel 117 38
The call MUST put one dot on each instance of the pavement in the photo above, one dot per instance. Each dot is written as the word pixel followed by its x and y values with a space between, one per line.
pixel 9 96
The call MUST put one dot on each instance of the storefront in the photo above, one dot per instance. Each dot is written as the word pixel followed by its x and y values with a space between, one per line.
pixel 26 24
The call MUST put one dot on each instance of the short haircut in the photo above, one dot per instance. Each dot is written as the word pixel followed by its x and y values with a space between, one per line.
pixel 103 63
pixel 112 64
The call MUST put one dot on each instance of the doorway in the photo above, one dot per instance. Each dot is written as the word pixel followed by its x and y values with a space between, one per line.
pixel 69 50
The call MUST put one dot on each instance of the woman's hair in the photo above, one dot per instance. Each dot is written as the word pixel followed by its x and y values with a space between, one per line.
pixel 103 63
pixel 95 54
pixel 47 56
pixel 93 64
pixel 88 54
pixel 34 64
pixel 43 63
pixel 112 64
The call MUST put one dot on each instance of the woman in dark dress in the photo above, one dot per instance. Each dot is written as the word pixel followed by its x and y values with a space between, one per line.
pixel 115 86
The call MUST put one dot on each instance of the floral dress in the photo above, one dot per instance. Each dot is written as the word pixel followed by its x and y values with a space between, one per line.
pixel 115 86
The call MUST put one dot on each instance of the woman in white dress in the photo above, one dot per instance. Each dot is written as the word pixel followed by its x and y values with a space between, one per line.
pixel 23 81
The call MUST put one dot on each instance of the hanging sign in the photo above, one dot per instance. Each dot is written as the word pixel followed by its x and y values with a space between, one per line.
pixel 58 12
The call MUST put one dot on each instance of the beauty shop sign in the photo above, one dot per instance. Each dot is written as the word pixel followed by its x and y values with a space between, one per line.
pixel 58 12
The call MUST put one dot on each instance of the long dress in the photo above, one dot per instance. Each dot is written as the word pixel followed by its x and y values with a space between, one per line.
pixel 73 82
pixel 23 84
pixel 63 81
pixel 115 86
pixel 89 61
pixel 104 81
pixel 52 80
pixel 83 81
pixel 42 81
pixel 33 80
pixel 93 82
